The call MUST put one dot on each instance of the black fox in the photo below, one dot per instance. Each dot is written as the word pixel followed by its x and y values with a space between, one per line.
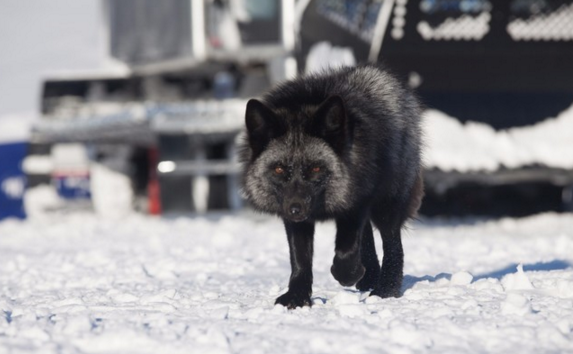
pixel 344 145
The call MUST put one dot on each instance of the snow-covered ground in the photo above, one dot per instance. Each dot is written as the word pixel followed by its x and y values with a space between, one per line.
pixel 79 283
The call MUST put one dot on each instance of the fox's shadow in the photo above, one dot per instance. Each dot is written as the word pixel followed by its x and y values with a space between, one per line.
pixel 558 264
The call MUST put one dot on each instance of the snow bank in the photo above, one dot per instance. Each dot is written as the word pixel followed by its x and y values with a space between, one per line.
pixel 78 283
pixel 473 146
pixel 112 193
pixel 40 200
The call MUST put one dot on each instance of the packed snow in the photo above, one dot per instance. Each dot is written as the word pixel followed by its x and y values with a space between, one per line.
pixel 79 283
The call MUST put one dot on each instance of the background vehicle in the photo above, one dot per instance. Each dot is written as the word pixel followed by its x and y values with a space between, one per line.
pixel 168 123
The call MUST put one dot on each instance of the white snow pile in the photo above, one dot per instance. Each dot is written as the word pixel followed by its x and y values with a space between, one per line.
pixel 452 145
pixel 81 284
pixel 16 127
pixel 324 55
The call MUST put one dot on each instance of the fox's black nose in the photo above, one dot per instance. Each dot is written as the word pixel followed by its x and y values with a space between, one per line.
pixel 295 209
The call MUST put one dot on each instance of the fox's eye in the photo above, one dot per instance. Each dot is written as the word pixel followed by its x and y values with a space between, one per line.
pixel 316 169
pixel 279 170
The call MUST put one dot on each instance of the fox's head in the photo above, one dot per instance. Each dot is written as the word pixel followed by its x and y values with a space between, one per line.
pixel 294 164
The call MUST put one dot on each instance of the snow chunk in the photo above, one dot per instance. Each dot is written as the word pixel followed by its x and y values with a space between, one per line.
pixel 408 334
pixel 565 288
pixel 220 313
pixel 345 297
pixel 517 281
pixel 515 304
pixel 353 310
pixel 461 278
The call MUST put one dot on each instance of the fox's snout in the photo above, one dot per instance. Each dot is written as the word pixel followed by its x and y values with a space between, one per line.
pixel 295 210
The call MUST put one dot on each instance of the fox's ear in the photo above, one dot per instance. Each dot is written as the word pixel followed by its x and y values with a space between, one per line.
pixel 329 123
pixel 262 125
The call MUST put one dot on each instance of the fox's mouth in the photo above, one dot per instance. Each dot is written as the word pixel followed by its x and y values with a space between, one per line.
pixel 296 218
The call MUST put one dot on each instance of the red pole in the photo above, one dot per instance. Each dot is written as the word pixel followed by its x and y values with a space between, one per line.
pixel 153 189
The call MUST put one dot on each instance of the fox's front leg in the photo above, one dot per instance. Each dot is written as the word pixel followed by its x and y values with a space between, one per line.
pixel 347 265
pixel 300 241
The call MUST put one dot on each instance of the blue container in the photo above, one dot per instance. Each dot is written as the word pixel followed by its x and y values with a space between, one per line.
pixel 72 185
pixel 12 180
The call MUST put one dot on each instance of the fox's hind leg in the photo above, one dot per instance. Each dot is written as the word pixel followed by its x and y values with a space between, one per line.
pixel 347 265
pixel 389 222
pixel 389 215
pixel 369 260
pixel 300 241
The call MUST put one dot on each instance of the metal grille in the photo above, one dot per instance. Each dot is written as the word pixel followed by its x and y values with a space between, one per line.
pixel 356 16
pixel 541 20
pixel 456 20
pixel 140 121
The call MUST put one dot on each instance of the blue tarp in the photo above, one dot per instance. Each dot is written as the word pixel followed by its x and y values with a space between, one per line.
pixel 12 180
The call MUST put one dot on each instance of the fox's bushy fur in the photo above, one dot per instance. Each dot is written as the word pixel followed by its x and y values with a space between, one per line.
pixel 344 145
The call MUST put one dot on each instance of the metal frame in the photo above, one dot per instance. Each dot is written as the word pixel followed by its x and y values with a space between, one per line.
pixel 202 52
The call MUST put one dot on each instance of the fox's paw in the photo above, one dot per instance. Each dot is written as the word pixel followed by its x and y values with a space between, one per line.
pixel 369 280
pixel 386 292
pixel 348 271
pixel 294 299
